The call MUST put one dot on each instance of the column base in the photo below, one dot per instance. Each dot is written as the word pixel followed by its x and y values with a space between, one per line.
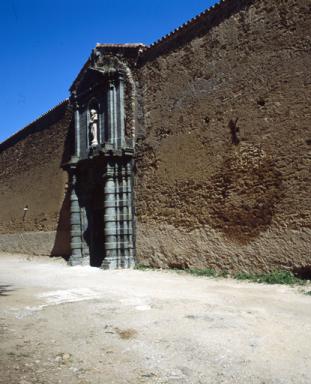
pixel 110 263
pixel 78 261
pixel 128 262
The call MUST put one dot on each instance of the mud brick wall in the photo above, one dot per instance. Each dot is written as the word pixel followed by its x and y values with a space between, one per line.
pixel 224 158
pixel 31 175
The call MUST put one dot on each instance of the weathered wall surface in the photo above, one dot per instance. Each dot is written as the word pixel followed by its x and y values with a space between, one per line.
pixel 223 171
pixel 31 175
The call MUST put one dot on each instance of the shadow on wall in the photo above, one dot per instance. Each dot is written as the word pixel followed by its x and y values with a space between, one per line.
pixel 61 245
pixel 247 191
pixel 238 200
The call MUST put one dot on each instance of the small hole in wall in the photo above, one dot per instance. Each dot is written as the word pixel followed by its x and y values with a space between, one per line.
pixel 261 102
pixel 234 130
pixel 25 210
pixel 308 141
pixel 206 120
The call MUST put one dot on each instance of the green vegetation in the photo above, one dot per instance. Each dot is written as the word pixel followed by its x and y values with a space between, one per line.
pixel 141 267
pixel 206 272
pixel 202 272
pixel 276 277
pixel 308 293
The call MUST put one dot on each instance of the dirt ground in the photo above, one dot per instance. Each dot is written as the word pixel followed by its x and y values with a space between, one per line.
pixel 82 325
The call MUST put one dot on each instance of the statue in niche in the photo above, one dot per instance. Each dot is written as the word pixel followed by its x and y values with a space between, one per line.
pixel 93 127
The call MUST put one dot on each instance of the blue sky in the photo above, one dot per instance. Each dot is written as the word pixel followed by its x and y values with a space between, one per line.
pixel 44 44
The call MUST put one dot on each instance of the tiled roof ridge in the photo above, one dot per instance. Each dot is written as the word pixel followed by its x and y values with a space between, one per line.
pixel 61 103
pixel 186 24
pixel 169 36
pixel 118 45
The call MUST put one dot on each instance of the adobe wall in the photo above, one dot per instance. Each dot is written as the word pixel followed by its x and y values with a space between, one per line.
pixel 223 169
pixel 31 175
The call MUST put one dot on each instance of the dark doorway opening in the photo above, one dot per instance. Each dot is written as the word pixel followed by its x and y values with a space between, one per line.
pixel 97 246
pixel 97 226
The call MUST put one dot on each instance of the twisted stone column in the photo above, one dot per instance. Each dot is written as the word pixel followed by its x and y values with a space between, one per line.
pixel 110 261
pixel 112 118
pixel 118 202
pixel 121 111
pixel 124 215
pixel 130 248
pixel 75 222
pixel 84 245
pixel 77 130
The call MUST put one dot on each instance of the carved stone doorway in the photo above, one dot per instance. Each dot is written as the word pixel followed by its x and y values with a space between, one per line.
pixel 101 167
pixel 102 212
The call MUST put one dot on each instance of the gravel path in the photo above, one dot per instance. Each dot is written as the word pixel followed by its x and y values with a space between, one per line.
pixel 82 325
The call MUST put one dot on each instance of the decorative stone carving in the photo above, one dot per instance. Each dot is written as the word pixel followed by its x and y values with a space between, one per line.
pixel 93 127
pixel 112 66
pixel 102 233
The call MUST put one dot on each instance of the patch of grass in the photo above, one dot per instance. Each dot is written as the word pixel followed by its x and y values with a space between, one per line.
pixel 224 274
pixel 276 277
pixel 308 293
pixel 202 272
pixel 208 272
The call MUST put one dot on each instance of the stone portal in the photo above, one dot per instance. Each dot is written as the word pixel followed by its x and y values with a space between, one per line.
pixel 101 170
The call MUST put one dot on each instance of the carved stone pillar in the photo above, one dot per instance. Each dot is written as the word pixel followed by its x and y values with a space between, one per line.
pixel 77 127
pixel 129 219
pixel 75 221
pixel 125 213
pixel 84 227
pixel 121 111
pixel 112 120
pixel 110 261
pixel 117 168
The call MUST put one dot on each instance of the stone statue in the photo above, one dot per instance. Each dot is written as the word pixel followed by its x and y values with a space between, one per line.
pixel 93 127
